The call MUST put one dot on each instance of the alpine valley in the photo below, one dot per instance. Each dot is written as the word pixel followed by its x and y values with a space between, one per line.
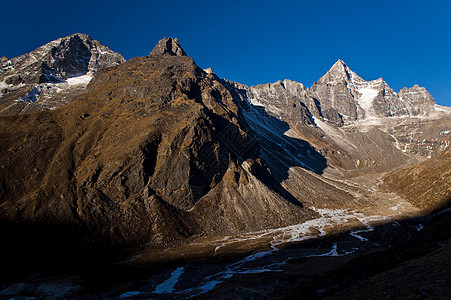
pixel 153 178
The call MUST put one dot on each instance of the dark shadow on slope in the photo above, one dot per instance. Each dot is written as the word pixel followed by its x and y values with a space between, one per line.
pixel 265 139
pixel 279 148
pixel 403 248
pixel 252 148
pixel 29 248
pixel 403 259
pixel 394 246
pixel 257 138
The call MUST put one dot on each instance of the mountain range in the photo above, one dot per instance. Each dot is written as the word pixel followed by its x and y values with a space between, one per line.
pixel 157 152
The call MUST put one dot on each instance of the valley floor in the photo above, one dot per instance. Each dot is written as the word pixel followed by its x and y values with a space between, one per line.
pixel 341 252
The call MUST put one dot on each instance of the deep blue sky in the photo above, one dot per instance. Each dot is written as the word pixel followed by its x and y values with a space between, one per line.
pixel 252 42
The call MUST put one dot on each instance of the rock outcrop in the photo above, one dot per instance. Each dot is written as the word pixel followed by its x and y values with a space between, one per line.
pixel 168 46
pixel 418 100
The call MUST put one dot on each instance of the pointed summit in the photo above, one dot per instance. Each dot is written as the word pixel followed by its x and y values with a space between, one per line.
pixel 339 72
pixel 51 72
pixel 209 71
pixel 339 64
pixel 168 46
pixel 74 55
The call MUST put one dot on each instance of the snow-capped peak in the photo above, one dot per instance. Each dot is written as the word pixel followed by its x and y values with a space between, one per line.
pixel 62 65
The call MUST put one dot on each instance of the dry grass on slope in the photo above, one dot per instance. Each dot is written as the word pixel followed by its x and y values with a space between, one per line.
pixel 426 185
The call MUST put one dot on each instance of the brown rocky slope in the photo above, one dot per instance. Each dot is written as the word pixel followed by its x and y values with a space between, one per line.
pixel 155 151
pixel 426 185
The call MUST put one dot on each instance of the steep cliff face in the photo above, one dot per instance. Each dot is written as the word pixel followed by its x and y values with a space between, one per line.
pixel 333 91
pixel 155 150
pixel 168 46
pixel 418 100
pixel 54 70
pixel 356 99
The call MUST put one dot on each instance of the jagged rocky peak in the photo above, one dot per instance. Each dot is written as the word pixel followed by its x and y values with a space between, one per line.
pixel 168 46
pixel 286 84
pixel 357 99
pixel 70 56
pixel 293 85
pixel 339 72
pixel 416 94
pixel 417 99
pixel 3 58
pixel 51 74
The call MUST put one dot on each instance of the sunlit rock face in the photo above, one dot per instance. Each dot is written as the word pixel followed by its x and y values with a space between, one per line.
pixel 341 113
pixel 168 46
pixel 47 77
pixel 356 99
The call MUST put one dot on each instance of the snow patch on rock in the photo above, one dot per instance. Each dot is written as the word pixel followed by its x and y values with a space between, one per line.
pixel 168 285
pixel 366 99
pixel 48 90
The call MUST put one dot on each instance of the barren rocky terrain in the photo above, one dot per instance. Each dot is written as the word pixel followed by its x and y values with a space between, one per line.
pixel 153 178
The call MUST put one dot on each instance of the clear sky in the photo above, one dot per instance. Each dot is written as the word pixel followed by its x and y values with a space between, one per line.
pixel 252 42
